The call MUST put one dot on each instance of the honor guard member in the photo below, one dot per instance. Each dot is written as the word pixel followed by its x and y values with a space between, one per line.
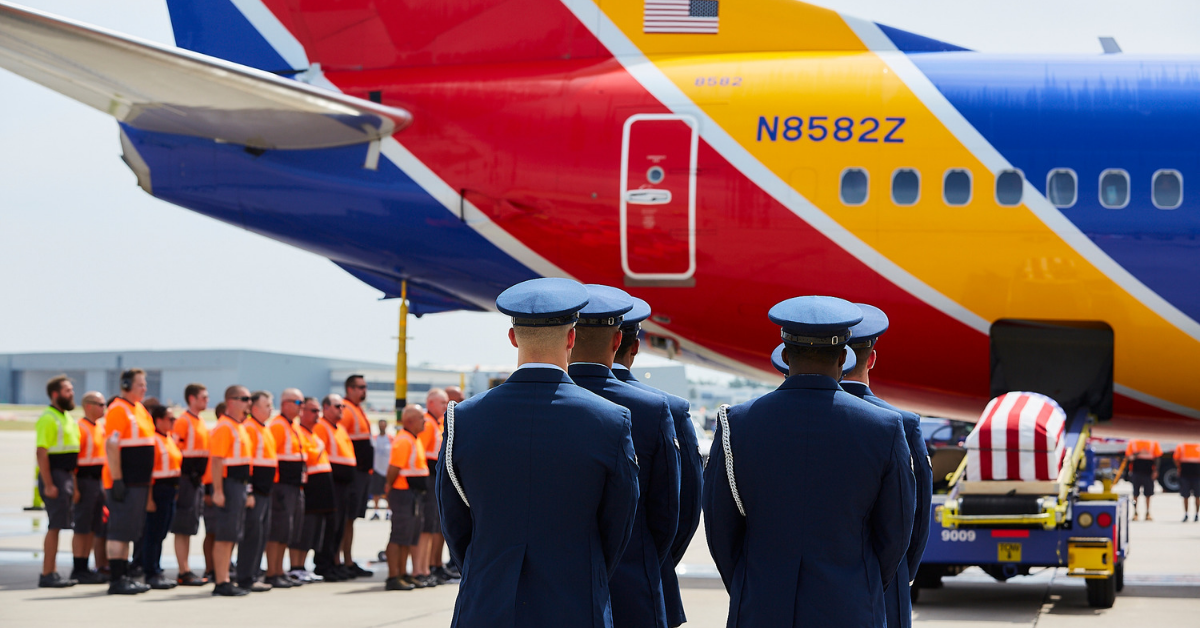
pixel 89 509
pixel 794 550
pixel 287 497
pixel 1144 460
pixel 319 504
pixel 537 481
pixel 229 448
pixel 358 427
pixel 168 463
pixel 408 480
pixel 127 478
pixel 690 467
pixel 341 457
pixel 431 570
pixel 637 593
pixel 263 468
pixel 57 456
pixel 192 433
pixel 863 338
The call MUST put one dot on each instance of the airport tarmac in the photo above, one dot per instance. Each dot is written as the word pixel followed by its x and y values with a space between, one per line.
pixel 1162 583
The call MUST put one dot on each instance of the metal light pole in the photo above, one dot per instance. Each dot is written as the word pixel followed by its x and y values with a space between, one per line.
pixel 402 353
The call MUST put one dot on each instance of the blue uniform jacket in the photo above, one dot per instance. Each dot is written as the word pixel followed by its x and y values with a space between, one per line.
pixel 899 595
pixel 637 594
pixel 551 477
pixel 689 493
pixel 828 491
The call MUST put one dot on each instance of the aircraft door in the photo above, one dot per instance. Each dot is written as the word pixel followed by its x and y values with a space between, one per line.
pixel 658 198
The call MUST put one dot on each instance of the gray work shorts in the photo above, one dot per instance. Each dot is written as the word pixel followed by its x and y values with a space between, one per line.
pixel 127 519
pixel 1189 486
pixel 313 530
pixel 287 514
pixel 406 507
pixel 61 509
pixel 356 495
pixel 1143 484
pixel 189 506
pixel 89 512
pixel 378 485
pixel 431 523
pixel 227 524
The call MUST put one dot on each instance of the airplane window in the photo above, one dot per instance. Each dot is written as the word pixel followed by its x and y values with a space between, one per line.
pixel 906 186
pixel 1060 187
pixel 1114 189
pixel 854 186
pixel 1010 185
pixel 1168 189
pixel 956 187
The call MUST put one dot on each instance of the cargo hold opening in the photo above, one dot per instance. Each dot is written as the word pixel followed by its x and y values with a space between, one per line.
pixel 1068 361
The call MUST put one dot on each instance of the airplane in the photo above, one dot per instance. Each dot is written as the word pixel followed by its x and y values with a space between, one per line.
pixel 1016 216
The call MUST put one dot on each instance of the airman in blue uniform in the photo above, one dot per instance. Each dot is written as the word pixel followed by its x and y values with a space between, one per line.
pixel 537 486
pixel 690 465
pixel 794 548
pixel 780 365
pixel 637 593
pixel 863 337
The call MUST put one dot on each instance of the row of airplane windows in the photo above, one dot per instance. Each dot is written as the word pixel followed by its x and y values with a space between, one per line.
pixel 1062 187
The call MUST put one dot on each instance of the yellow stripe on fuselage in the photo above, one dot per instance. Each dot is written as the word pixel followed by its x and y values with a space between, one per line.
pixel 998 262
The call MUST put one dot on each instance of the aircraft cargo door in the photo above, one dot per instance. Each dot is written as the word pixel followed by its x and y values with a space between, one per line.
pixel 658 198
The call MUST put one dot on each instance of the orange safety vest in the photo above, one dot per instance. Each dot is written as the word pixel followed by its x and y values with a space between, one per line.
pixel 131 426
pixel 355 421
pixel 287 443
pixel 230 441
pixel 1187 453
pixel 431 437
pixel 409 457
pixel 168 460
pixel 192 434
pixel 1143 449
pixel 337 442
pixel 262 444
pixel 314 450
pixel 91 443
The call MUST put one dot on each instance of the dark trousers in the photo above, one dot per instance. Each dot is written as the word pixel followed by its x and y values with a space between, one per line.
pixel 158 523
pixel 254 539
pixel 331 541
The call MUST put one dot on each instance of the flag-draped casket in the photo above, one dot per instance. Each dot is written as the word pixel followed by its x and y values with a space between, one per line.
pixel 1019 437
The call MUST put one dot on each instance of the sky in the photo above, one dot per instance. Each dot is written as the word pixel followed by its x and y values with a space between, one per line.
pixel 89 262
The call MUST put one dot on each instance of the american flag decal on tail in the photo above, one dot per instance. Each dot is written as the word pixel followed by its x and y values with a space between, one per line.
pixel 681 16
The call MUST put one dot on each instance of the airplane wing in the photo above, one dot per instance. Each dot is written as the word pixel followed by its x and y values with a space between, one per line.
pixel 158 88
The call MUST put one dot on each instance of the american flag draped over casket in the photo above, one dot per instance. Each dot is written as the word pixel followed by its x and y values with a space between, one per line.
pixel 1018 437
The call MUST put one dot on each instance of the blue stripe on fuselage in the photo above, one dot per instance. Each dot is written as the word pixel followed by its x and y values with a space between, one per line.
pixel 1090 115
pixel 325 202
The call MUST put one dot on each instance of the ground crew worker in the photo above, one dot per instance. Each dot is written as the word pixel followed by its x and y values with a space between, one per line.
pixel 407 478
pixel 863 339
pixel 263 468
pixel 319 503
pixel 637 593
pixel 1187 461
pixel 793 551
pixel 428 566
pixel 230 456
pixel 127 477
pixel 340 449
pixel 690 463
pixel 89 490
pixel 287 497
pixel 192 434
pixel 538 479
pixel 168 463
pixel 381 443
pixel 1145 455
pixel 209 539
pixel 358 427
pixel 57 457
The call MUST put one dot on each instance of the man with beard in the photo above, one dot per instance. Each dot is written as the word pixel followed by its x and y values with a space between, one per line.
pixel 57 457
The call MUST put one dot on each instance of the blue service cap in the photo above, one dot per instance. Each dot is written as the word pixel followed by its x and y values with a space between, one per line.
pixel 777 360
pixel 606 306
pixel 815 321
pixel 872 326
pixel 546 302
pixel 639 313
